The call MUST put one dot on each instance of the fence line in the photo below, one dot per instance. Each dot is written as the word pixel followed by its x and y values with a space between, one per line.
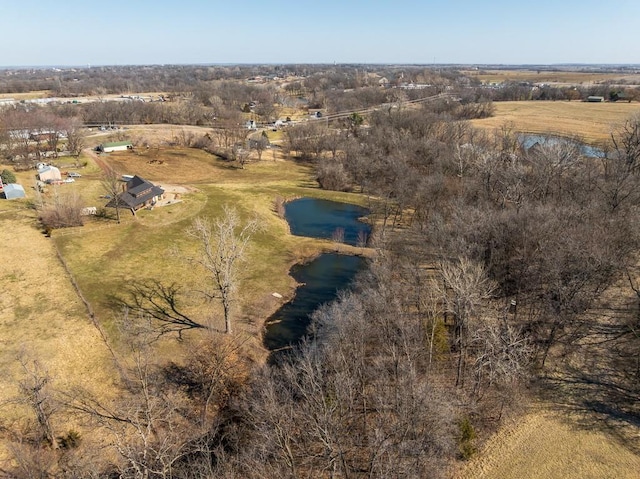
pixel 87 305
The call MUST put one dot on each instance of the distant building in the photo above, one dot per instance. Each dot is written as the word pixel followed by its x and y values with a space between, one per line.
pixel 595 99
pixel 115 146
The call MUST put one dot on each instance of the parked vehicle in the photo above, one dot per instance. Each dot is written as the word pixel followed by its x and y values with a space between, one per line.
pixel 73 174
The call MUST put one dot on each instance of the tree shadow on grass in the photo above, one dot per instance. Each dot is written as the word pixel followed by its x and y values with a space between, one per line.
pixel 597 394
pixel 159 301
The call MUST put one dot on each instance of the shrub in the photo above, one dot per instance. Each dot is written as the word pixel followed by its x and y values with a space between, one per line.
pixel 65 211
pixel 467 437
pixel 279 206
pixel 70 440
pixel 7 177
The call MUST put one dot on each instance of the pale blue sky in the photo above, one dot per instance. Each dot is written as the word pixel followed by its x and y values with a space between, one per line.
pixel 117 32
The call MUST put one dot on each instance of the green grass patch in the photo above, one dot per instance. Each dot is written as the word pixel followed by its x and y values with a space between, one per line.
pixel 108 259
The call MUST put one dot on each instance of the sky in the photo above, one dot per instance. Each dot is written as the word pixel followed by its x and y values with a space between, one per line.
pixel 150 32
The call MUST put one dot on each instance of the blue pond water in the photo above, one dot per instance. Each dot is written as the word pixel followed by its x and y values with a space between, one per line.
pixel 321 281
pixel 323 278
pixel 322 219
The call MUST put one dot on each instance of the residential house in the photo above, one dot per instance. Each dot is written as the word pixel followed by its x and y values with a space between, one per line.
pixel 138 193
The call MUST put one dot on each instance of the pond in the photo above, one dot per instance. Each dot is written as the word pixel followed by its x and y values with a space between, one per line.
pixel 326 219
pixel 528 140
pixel 321 280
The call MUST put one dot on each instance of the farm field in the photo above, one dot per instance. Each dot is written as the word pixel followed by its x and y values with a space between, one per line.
pixel 593 122
pixel 550 77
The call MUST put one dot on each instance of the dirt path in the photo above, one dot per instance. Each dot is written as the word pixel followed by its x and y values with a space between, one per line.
pixel 90 152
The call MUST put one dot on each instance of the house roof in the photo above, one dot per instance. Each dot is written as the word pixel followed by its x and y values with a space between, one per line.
pixel 48 168
pixel 138 192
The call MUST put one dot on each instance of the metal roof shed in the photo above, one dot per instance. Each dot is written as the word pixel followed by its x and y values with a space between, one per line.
pixel 13 191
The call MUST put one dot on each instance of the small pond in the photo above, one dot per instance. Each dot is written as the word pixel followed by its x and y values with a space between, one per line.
pixel 326 219
pixel 321 280
pixel 528 140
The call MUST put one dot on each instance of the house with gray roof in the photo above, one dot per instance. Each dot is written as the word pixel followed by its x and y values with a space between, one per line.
pixel 138 193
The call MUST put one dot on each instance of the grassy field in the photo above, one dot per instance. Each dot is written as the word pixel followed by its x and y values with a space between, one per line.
pixel 547 444
pixel 591 121
pixel 107 259
pixel 43 320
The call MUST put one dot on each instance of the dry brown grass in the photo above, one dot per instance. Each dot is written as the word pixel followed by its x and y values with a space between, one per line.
pixel 174 165
pixel 591 121
pixel 547 444
pixel 561 77
pixel 43 318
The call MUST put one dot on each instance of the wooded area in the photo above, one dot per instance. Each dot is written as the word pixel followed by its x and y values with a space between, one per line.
pixel 495 265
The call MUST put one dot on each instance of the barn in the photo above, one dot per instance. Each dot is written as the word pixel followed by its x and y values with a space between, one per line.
pixel 12 191
pixel 115 146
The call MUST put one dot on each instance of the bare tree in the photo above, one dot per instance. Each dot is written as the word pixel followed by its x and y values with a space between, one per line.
pixel 260 144
pixel 64 211
pixel 223 245
pixel 112 186
pixel 36 393
pixel 75 136
pixel 464 287
pixel 147 423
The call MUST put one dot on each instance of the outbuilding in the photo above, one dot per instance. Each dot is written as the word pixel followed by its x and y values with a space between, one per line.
pixel 115 146
pixel 49 173
pixel 13 191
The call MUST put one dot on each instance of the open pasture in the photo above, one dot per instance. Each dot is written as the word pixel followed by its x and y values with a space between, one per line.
pixel 593 122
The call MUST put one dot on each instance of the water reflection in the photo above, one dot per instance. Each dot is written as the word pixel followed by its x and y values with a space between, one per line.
pixel 326 219
pixel 321 280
